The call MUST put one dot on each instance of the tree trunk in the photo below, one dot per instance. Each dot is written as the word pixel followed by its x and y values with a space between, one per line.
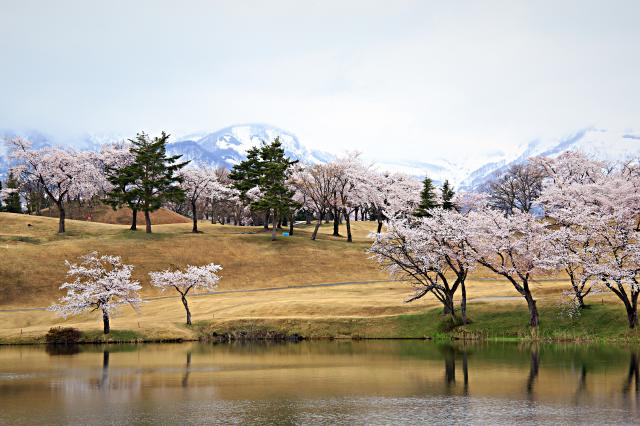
pixel 291 225
pixel 186 308
pixel 61 218
pixel 347 220
pixel 336 223
pixel 134 220
pixel 379 221
pixel 274 226
pixel 105 322
pixel 632 313
pixel 533 309
pixel 147 221
pixel 194 212
pixel 463 302
pixel 308 217
pixel 580 299
pixel 449 308
pixel 266 219
pixel 315 230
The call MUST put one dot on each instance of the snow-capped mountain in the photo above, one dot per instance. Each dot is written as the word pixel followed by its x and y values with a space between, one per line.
pixel 228 146
pixel 608 145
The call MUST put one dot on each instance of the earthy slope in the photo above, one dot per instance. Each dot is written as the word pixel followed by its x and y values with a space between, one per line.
pixel 32 268
pixel 104 214
pixel 32 265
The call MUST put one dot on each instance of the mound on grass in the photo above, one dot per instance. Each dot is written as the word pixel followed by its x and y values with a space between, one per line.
pixel 105 214
pixel 32 266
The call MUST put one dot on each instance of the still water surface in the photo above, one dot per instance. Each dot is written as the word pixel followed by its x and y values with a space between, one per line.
pixel 364 382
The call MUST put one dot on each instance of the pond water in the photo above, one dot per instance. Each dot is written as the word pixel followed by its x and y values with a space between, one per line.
pixel 350 382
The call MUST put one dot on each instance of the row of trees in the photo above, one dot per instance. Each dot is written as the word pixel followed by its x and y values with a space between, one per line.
pixel 139 175
pixel 266 187
pixel 586 223
pixel 103 283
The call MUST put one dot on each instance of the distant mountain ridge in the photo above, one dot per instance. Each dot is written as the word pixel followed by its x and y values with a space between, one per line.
pixel 602 144
pixel 228 146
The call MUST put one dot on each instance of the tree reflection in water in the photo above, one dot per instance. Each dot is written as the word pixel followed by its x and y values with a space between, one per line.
pixel 103 383
pixel 534 369
pixel 187 371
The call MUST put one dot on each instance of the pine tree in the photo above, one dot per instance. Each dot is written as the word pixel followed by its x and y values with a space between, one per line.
pixel 447 196
pixel 156 181
pixel 246 176
pixel 123 194
pixel 428 199
pixel 12 203
pixel 276 196
pixel 266 168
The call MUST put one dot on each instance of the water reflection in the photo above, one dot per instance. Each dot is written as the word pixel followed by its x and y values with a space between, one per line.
pixel 320 382
pixel 103 383
pixel 187 371
pixel 631 383
pixel 533 369
pixel 62 349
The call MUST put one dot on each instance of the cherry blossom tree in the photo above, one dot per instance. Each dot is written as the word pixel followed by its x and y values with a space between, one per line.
pixel 510 246
pixel 61 173
pixel 595 208
pixel 101 282
pixel 351 187
pixel 193 277
pixel 318 184
pixel 427 252
pixel 568 201
pixel 617 264
pixel 392 195
pixel 196 182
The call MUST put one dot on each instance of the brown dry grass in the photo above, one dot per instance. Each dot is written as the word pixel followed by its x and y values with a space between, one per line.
pixel 104 214
pixel 32 268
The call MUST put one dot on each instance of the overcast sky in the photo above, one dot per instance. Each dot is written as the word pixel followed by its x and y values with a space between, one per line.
pixel 397 79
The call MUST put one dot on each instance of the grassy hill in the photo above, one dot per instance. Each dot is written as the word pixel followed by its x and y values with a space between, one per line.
pixel 255 288
pixel 34 255
pixel 105 214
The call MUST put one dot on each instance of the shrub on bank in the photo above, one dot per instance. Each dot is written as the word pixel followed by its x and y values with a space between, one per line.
pixel 63 336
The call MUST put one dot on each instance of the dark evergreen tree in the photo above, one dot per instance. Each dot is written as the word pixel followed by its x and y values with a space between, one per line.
pixel 447 196
pixel 246 176
pixel 123 194
pixel 276 197
pixel 428 199
pixel 154 174
pixel 12 202
pixel 266 168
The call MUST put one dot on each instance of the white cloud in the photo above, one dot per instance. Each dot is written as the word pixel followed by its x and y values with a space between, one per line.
pixel 397 80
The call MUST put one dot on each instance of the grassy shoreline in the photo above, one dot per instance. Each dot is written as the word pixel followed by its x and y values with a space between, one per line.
pixel 599 323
